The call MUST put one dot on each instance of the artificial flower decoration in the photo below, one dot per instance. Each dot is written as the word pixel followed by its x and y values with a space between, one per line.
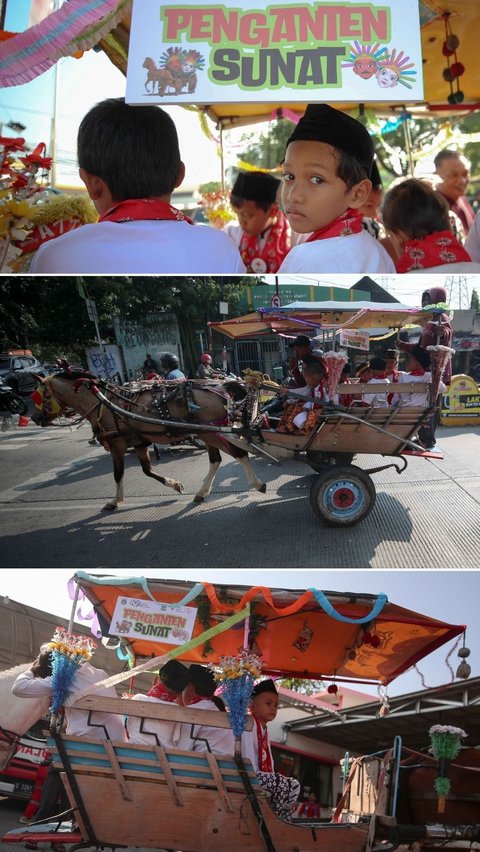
pixel 237 677
pixel 446 742
pixel 216 206
pixel 68 652
pixel 455 69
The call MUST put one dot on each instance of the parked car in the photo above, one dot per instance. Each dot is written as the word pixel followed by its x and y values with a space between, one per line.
pixel 17 778
pixel 18 371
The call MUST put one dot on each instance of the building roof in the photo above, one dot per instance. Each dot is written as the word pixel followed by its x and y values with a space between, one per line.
pixel 361 730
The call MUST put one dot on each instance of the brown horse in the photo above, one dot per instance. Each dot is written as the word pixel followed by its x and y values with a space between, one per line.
pixel 161 76
pixel 127 417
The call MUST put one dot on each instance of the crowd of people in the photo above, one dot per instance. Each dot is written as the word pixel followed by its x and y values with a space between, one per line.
pixel 175 683
pixel 325 214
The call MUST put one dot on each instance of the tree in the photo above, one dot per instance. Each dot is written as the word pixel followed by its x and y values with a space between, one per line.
pixel 475 301
pixel 210 186
pixel 51 318
pixel 267 150
pixel 303 687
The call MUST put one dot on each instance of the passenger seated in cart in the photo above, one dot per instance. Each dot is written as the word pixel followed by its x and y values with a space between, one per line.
pixel 167 689
pixel 417 220
pixel 300 416
pixel 326 173
pixel 376 399
pixel 391 358
pixel 283 791
pixel 35 684
pixel 199 694
pixel 418 370
pixel 262 234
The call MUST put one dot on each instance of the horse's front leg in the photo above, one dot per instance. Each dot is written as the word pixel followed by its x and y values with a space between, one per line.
pixel 143 456
pixel 214 458
pixel 117 452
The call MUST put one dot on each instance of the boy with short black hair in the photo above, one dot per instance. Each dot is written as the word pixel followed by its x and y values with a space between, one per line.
pixel 130 162
pixel 262 234
pixel 327 170
pixel 417 220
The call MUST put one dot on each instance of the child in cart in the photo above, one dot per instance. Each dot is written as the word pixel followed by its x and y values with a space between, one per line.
pixel 326 173
pixel 299 416
pixel 283 791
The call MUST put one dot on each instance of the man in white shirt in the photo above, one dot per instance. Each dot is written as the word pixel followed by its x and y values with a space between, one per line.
pixel 130 163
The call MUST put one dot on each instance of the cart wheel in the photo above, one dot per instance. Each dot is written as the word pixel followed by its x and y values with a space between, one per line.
pixel 319 461
pixel 342 496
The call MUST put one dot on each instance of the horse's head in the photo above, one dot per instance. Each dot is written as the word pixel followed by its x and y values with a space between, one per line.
pixel 148 63
pixel 48 404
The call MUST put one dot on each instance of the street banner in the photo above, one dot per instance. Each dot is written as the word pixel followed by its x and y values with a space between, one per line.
pixel 355 339
pixel 198 52
pixel 152 620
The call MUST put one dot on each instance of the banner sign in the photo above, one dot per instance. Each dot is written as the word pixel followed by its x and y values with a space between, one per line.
pixel 355 339
pixel 200 52
pixel 152 620
pixel 461 403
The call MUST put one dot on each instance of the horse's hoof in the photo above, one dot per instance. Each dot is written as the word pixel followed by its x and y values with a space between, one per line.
pixel 198 498
pixel 263 488
pixel 109 507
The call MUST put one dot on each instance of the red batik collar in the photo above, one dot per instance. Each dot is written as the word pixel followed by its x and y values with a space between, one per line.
pixel 142 209
pixel 345 225
pixel 161 692
pixel 419 372
pixel 433 250
pixel 274 249
pixel 264 756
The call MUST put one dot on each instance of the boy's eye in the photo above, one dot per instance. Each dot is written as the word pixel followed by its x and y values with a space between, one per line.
pixel 317 180
pixel 287 176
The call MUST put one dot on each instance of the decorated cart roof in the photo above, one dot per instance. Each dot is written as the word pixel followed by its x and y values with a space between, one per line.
pixel 304 316
pixel 302 633
pixel 106 24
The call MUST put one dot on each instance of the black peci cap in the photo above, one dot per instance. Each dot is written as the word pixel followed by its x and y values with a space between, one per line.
pixel 264 686
pixel 322 123
pixel 256 186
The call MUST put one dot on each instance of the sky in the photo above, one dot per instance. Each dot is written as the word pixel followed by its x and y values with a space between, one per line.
pixel 451 596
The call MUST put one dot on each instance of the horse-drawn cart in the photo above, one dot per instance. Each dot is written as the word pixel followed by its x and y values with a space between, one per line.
pixel 125 794
pixel 228 416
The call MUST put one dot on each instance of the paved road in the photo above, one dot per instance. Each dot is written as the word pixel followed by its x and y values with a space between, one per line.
pixel 54 485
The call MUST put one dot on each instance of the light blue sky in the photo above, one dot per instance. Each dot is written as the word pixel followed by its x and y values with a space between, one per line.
pixel 451 596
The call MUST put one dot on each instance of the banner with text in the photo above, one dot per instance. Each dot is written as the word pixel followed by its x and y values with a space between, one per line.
pixel 153 620
pixel 355 339
pixel 198 52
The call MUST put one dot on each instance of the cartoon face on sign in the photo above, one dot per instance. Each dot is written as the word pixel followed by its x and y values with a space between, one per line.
pixel 395 69
pixel 364 59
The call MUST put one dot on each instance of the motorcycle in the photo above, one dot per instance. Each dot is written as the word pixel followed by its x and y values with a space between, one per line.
pixel 11 401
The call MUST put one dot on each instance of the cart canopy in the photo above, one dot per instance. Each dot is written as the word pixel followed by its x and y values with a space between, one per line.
pixel 307 634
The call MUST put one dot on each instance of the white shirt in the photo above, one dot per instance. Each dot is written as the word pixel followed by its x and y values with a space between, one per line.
pixel 28 686
pixel 250 747
pixel 472 242
pixel 139 247
pixel 356 253
pixel 220 740
pixel 164 730
pixel 414 400
pixel 376 400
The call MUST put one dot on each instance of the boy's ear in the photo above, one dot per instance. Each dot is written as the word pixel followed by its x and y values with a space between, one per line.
pixel 95 185
pixel 181 175
pixel 359 193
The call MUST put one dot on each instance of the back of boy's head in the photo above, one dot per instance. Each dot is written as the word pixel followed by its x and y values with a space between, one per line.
pixel 377 364
pixel 134 149
pixel 351 140
pixel 259 187
pixel 415 208
pixel 313 367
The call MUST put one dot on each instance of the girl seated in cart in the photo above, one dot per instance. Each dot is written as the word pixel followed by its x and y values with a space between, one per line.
pixel 283 791
pixel 300 416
